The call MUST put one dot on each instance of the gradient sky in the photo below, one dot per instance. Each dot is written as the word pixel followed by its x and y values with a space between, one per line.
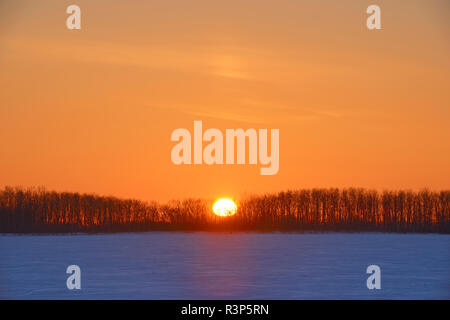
pixel 93 110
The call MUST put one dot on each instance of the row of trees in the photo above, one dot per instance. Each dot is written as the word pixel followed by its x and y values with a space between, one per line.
pixel 38 210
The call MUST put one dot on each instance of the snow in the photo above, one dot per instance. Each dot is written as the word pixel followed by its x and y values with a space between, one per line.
pixel 177 265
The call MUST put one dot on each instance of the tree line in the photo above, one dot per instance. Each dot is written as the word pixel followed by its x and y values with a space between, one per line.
pixel 36 210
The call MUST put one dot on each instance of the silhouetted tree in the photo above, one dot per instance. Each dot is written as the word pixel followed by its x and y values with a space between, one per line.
pixel 38 210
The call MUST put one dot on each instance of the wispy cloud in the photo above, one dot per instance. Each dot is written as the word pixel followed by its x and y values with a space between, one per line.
pixel 184 59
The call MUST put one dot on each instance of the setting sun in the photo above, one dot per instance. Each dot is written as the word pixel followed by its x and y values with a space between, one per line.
pixel 224 207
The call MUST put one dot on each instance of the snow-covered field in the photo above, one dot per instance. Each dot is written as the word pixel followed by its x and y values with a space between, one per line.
pixel 176 265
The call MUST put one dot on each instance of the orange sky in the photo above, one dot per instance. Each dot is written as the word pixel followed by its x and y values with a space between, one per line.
pixel 93 110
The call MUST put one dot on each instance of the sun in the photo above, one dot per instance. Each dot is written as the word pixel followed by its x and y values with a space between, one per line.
pixel 224 207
